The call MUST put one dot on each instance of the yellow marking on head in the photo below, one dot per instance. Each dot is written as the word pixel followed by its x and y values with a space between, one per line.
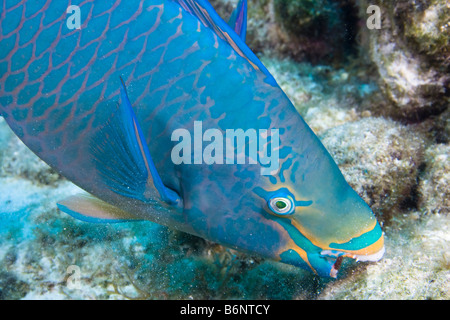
pixel 301 253
pixel 291 245
pixel 326 246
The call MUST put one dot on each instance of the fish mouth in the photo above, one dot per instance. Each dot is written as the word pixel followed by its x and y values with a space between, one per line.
pixel 340 255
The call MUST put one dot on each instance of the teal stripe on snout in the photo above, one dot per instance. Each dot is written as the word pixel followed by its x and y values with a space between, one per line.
pixel 360 242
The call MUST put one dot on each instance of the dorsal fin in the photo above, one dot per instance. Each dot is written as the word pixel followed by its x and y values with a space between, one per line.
pixel 203 10
pixel 238 19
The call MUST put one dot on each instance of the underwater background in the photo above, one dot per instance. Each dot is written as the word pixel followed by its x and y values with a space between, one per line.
pixel 377 99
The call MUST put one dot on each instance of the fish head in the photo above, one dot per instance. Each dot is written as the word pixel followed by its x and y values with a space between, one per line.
pixel 312 221
pixel 317 234
pixel 320 219
pixel 303 212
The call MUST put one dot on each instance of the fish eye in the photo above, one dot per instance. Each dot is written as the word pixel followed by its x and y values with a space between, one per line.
pixel 281 206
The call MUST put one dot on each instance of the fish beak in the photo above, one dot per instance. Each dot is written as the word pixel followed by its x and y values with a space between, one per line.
pixel 372 253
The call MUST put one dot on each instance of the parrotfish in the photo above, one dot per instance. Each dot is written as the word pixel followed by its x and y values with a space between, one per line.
pixel 99 102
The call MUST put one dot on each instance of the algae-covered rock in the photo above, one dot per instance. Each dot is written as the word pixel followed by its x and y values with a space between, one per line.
pixel 410 52
pixel 434 185
pixel 427 28
pixel 415 267
pixel 380 159
pixel 318 30
pixel 12 288
pixel 5 137
pixel 17 160
pixel 321 31
pixel 325 97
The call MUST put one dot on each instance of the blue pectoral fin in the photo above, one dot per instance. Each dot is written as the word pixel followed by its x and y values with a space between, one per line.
pixel 90 209
pixel 238 19
pixel 123 160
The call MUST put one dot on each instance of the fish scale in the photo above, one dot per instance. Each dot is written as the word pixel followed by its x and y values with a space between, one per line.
pixel 61 93
pixel 75 62
pixel 82 76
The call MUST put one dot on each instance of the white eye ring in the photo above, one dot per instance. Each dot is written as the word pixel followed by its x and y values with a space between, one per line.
pixel 281 206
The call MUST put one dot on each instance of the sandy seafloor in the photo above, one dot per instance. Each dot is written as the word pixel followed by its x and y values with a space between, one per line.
pixel 393 165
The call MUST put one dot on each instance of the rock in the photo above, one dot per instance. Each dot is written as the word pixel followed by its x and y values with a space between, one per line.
pixel 320 31
pixel 305 30
pixel 5 137
pixel 17 160
pixel 415 267
pixel 434 185
pixel 380 159
pixel 263 33
pixel 410 53
pixel 11 288
pixel 324 96
pixel 427 29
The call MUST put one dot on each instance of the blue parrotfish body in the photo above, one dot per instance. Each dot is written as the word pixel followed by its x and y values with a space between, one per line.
pixel 100 104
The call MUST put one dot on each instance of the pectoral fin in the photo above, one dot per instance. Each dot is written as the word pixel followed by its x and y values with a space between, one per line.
pixel 90 209
pixel 122 157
